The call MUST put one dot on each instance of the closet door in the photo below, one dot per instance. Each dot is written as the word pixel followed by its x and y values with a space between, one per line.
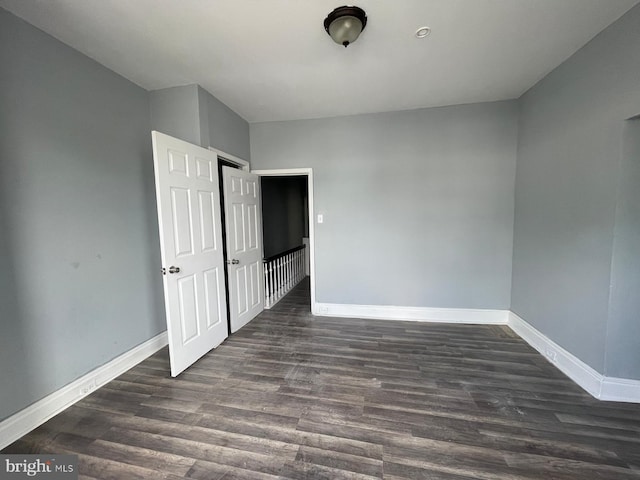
pixel 243 216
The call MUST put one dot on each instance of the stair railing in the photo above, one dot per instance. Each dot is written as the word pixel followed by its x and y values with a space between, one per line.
pixel 282 272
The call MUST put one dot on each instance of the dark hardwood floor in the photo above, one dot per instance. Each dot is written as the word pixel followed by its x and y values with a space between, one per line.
pixel 293 397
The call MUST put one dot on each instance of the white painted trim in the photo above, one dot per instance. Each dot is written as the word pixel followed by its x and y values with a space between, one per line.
pixel 21 423
pixel 243 164
pixel 416 314
pixel 596 384
pixel 308 172
pixel 620 390
pixel 566 362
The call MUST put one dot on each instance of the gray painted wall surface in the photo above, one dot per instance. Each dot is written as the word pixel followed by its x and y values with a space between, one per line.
pixel 623 334
pixel 224 128
pixel 175 111
pixel 79 282
pixel 284 222
pixel 569 153
pixel 192 114
pixel 418 205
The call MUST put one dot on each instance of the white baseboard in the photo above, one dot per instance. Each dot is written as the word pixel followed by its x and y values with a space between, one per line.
pixel 21 423
pixel 596 384
pixel 416 314
pixel 566 362
pixel 620 390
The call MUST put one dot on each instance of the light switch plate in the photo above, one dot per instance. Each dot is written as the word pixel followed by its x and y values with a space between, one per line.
pixel 320 218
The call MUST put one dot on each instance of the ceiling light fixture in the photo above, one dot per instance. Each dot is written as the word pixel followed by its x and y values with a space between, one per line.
pixel 345 24
pixel 423 32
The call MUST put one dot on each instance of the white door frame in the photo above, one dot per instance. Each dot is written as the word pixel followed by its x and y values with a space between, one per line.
pixel 308 172
pixel 242 164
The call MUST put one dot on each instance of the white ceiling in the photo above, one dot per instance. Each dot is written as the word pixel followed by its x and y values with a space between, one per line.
pixel 272 60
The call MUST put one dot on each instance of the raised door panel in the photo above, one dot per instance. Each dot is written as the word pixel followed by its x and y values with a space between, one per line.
pixel 242 289
pixel 182 225
pixel 188 307
pixel 252 227
pixel 238 226
pixel 236 186
pixel 206 202
pixel 178 163
pixel 204 169
pixel 251 189
pixel 213 290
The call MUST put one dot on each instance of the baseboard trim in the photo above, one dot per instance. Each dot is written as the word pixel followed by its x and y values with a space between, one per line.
pixel 596 384
pixel 593 382
pixel 574 368
pixel 21 423
pixel 620 390
pixel 415 314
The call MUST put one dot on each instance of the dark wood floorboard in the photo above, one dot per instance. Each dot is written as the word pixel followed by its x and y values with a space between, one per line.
pixel 291 396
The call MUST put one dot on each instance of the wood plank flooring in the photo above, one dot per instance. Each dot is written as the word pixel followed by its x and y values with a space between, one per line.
pixel 296 397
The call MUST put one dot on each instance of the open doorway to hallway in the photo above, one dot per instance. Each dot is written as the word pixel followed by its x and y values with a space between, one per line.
pixel 284 213
pixel 287 201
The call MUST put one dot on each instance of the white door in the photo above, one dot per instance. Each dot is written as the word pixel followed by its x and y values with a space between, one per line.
pixel 190 221
pixel 243 218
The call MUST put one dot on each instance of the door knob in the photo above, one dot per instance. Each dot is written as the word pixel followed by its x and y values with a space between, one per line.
pixel 173 269
pixel 234 261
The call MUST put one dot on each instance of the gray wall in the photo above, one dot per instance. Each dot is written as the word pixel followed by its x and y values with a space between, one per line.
pixel 623 333
pixel 192 114
pixel 224 129
pixel 284 218
pixel 175 111
pixel 79 282
pixel 418 205
pixel 569 156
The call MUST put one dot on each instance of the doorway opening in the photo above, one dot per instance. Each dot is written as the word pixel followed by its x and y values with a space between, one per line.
pixel 288 233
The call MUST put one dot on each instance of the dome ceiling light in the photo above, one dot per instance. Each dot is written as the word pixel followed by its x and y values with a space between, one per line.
pixel 345 24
